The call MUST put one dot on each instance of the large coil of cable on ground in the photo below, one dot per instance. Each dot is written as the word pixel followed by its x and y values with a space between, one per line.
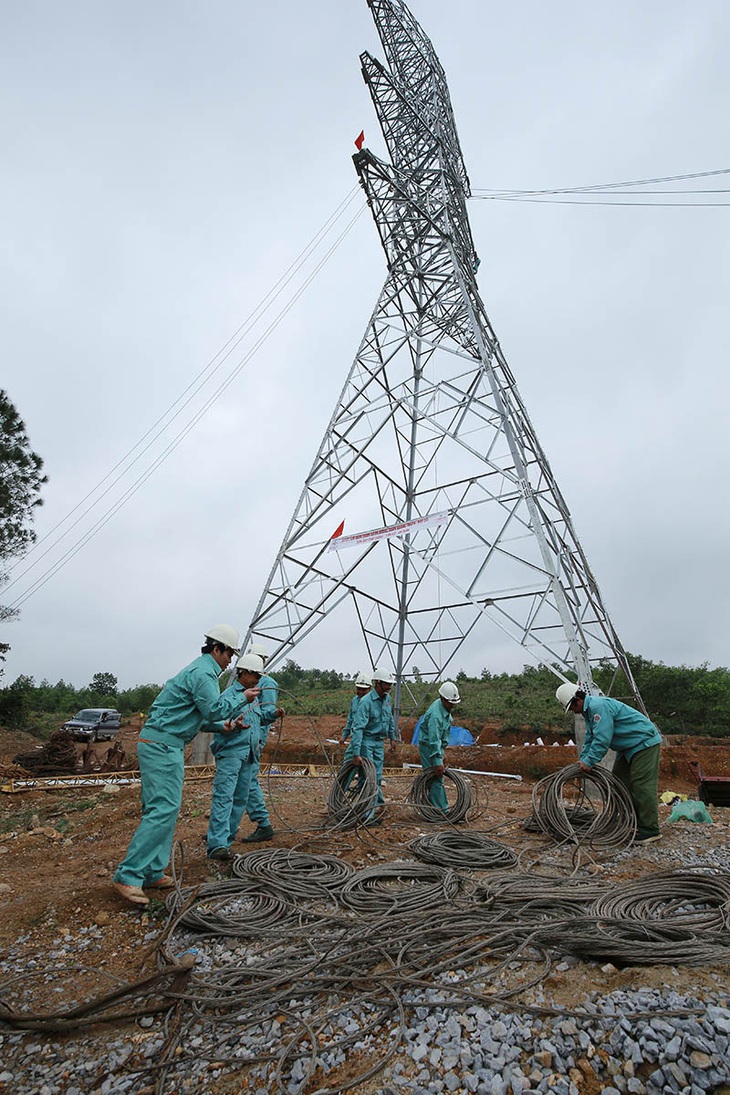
pixel 418 797
pixel 463 851
pixel 298 874
pixel 410 888
pixel 354 794
pixel 234 907
pixel 572 792
pixel 685 899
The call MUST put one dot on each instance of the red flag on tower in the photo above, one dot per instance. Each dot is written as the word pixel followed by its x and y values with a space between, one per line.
pixel 360 141
pixel 338 531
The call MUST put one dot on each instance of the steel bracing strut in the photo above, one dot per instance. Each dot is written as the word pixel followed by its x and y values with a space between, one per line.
pixel 430 422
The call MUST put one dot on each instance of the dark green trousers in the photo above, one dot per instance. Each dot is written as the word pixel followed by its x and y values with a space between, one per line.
pixel 640 777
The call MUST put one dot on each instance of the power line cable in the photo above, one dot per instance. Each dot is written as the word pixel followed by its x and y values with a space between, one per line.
pixel 194 387
pixel 611 189
pixel 179 437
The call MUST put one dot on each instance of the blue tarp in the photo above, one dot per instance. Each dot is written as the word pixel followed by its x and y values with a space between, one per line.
pixel 459 735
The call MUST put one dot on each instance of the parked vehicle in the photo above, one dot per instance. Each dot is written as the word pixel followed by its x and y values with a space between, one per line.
pixel 94 724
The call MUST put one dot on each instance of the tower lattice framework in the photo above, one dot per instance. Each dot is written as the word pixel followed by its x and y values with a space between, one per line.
pixel 430 425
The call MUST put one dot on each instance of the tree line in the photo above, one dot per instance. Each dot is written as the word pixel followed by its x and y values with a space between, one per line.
pixel 681 699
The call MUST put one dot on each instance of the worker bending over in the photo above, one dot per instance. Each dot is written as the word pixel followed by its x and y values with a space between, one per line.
pixel 373 723
pixel 363 684
pixel 267 713
pixel 611 724
pixel 189 702
pixel 234 760
pixel 434 734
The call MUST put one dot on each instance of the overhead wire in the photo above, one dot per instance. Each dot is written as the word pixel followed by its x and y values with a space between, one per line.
pixel 179 437
pixel 584 195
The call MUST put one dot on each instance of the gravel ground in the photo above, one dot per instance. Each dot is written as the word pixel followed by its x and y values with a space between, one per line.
pixel 650 1038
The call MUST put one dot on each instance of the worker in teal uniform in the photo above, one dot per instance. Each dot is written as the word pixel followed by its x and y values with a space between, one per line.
pixel 189 702
pixel 363 684
pixel 235 755
pixel 373 723
pixel 267 711
pixel 611 724
pixel 434 733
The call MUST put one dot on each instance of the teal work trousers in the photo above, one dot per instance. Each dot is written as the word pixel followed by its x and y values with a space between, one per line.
pixel 161 769
pixel 436 791
pixel 231 786
pixel 256 806
pixel 640 777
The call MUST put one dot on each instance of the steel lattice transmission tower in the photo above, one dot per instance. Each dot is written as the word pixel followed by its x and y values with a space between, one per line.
pixel 430 425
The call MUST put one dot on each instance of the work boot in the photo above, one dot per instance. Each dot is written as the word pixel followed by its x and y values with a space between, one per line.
pixel 131 893
pixel 264 832
pixel 165 882
pixel 220 853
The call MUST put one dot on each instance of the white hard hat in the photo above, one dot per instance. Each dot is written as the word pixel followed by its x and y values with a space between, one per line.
pixel 449 691
pixel 257 648
pixel 384 676
pixel 252 662
pixel 225 634
pixel 565 694
pixel 363 679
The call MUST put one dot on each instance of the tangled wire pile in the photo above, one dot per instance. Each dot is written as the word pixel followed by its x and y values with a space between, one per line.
pixel 610 824
pixel 465 797
pixel 354 794
pixel 284 1006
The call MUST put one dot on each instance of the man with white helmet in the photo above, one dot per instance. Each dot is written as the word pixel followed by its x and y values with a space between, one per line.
pixel 611 724
pixel 363 684
pixel 373 723
pixel 434 733
pixel 267 712
pixel 189 702
pixel 235 754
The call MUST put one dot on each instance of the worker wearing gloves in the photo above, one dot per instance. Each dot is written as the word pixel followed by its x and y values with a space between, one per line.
pixel 189 702
pixel 235 755
pixel 373 723
pixel 267 713
pixel 363 684
pixel 637 742
pixel 433 737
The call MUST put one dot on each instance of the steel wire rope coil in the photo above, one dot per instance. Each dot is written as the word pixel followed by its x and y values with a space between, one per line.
pixel 685 899
pixel 402 887
pixel 459 850
pixel 614 823
pixel 301 874
pixel 580 817
pixel 637 942
pixel 351 802
pixel 232 907
pixel 418 797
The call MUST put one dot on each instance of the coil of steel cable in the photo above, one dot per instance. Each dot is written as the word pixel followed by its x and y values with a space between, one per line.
pixel 351 802
pixel 686 899
pixel 301 874
pixel 463 851
pixel 225 908
pixel 418 797
pixel 614 817
pixel 409 887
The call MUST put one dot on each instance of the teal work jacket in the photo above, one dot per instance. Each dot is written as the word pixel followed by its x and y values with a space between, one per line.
pixel 192 701
pixel 374 717
pixel 611 724
pixel 354 704
pixel 433 734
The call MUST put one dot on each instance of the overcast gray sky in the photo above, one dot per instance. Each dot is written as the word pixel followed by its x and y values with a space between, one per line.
pixel 165 164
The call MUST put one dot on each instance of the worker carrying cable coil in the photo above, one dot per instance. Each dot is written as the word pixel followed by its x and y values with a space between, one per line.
pixel 434 734
pixel 373 723
pixel 636 740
